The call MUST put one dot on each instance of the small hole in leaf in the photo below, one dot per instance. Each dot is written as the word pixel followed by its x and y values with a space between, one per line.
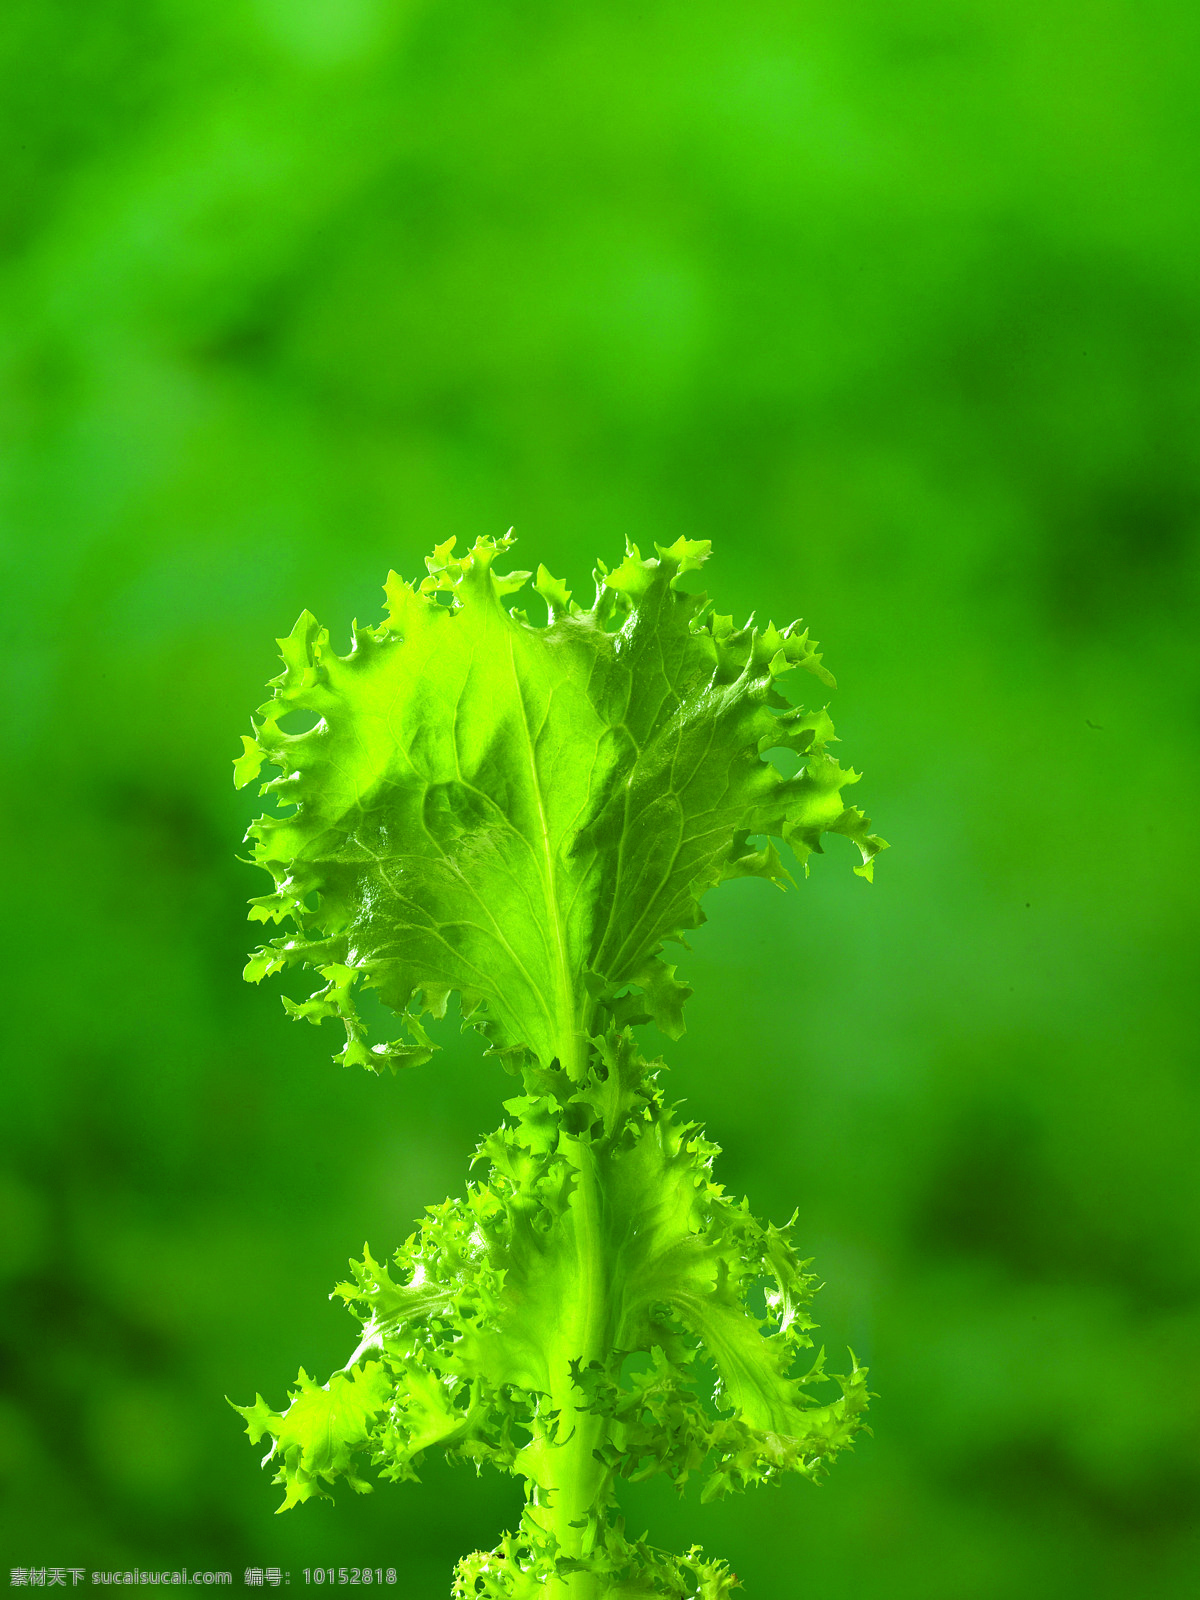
pixel 294 723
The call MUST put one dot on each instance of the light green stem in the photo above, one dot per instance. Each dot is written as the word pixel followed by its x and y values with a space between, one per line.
pixel 572 1481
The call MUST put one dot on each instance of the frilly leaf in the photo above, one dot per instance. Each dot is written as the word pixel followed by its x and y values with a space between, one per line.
pixel 494 808
pixel 322 1430
pixel 524 1562
pixel 465 1346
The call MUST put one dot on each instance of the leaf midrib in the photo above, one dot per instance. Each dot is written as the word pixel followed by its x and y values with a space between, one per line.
pixel 566 987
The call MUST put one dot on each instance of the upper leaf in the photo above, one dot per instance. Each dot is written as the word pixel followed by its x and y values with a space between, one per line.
pixel 522 813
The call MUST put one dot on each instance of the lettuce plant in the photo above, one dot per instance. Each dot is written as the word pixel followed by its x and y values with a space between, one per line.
pixel 526 814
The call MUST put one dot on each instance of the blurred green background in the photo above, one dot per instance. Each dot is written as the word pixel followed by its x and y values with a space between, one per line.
pixel 897 304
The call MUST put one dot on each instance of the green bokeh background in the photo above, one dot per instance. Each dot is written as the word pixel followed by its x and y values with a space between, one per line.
pixel 897 304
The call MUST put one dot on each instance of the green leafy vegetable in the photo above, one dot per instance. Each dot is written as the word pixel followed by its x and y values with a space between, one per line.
pixel 525 815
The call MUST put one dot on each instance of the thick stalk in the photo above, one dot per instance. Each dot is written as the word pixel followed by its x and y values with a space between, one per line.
pixel 572 1482
pixel 576 1511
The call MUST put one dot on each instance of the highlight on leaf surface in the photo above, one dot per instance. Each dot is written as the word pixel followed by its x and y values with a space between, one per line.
pixel 523 813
